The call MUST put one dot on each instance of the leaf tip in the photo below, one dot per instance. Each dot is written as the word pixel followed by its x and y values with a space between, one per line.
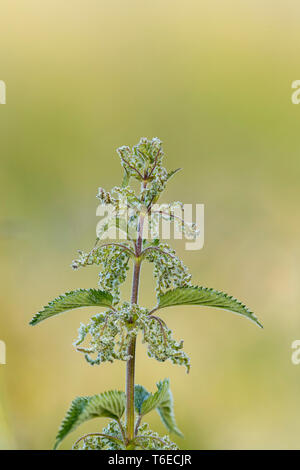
pixel 33 321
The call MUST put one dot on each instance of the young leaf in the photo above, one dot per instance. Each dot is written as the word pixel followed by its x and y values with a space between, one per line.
pixel 172 173
pixel 105 405
pixel 154 400
pixel 140 395
pixel 166 412
pixel 108 404
pixel 74 299
pixel 205 297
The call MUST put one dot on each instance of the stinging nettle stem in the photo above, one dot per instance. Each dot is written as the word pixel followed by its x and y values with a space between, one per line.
pixel 130 368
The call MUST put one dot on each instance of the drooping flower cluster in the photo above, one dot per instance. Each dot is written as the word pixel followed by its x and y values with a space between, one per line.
pixel 95 442
pixel 146 439
pixel 108 339
pixel 114 260
pixel 151 440
pixel 161 345
pixel 109 335
pixel 121 211
pixel 169 271
pixel 165 214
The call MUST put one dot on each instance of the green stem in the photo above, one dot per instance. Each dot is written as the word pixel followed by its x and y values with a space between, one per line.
pixel 130 370
pixel 131 363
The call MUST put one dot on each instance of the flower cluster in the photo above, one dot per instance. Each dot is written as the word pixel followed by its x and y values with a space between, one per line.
pixel 109 336
pixel 110 333
pixel 119 198
pixel 169 271
pixel 122 209
pixel 146 439
pixel 144 160
pixel 96 442
pixel 144 163
pixel 175 213
pixel 114 260
pixel 150 440
pixel 161 345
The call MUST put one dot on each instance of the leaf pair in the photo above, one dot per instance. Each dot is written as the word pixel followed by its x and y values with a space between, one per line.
pixel 179 296
pixel 161 400
pixel 104 405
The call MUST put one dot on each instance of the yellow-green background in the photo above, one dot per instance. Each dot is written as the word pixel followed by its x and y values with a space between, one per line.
pixel 212 79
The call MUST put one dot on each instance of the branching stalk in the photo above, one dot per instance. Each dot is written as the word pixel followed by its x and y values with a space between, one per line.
pixel 138 422
pixel 122 430
pixel 97 434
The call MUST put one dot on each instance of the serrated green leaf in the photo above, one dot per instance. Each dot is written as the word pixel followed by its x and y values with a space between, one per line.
pixel 69 423
pixel 154 400
pixel 166 412
pixel 74 299
pixel 105 405
pixel 108 404
pixel 207 298
pixel 140 395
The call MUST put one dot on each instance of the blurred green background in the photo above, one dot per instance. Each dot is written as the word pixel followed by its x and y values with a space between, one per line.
pixel 212 79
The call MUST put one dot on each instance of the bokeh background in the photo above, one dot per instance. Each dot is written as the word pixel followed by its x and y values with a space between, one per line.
pixel 212 79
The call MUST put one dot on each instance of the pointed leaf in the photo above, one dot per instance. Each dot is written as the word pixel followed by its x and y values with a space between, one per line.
pixel 74 299
pixel 69 423
pixel 205 297
pixel 166 412
pixel 154 400
pixel 172 173
pixel 105 405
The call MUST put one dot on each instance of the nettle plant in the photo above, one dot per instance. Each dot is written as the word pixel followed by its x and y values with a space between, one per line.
pixel 112 335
